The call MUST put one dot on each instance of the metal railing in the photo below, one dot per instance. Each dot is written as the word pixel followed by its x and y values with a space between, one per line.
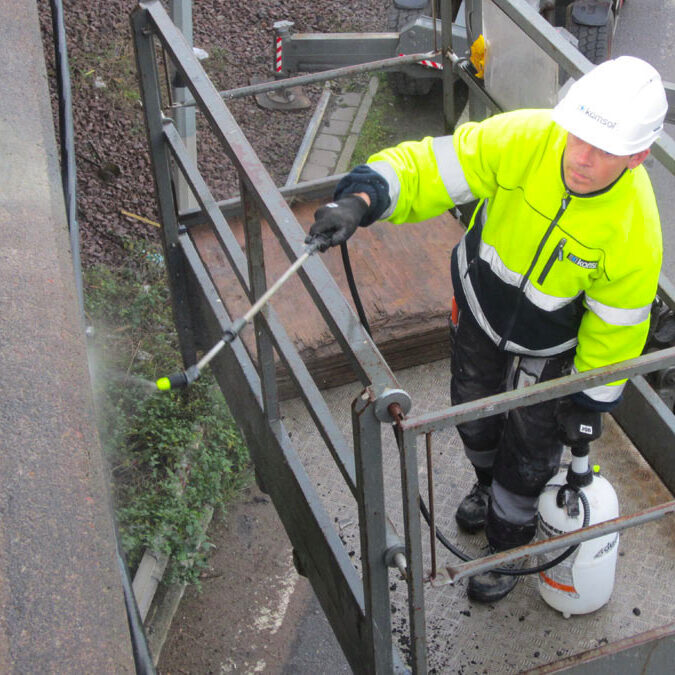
pixel 356 605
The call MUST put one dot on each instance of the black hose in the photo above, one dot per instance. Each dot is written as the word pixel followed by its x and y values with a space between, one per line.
pixel 139 643
pixel 505 570
pixel 349 273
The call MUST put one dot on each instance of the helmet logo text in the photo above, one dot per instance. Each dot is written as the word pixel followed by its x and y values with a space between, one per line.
pixel 596 117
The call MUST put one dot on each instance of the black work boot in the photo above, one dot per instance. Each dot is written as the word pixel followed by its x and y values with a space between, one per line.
pixel 491 586
pixel 470 515
pixel 502 535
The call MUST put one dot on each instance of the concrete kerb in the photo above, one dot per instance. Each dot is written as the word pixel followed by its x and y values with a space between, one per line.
pixel 357 125
pixel 162 602
pixel 334 145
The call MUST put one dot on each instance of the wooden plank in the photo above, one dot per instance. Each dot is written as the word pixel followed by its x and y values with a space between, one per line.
pixel 403 277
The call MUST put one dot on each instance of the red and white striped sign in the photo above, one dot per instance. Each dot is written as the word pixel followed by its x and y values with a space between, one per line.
pixel 429 64
pixel 278 54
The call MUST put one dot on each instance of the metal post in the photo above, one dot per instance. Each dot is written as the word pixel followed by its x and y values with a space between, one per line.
pixel 432 508
pixel 184 117
pixel 449 104
pixel 407 443
pixel 159 154
pixel 474 9
pixel 258 285
pixel 372 527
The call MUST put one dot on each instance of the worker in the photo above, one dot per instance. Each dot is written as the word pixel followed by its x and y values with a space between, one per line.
pixel 556 273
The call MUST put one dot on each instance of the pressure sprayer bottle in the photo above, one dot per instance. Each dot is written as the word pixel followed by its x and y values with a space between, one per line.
pixel 584 581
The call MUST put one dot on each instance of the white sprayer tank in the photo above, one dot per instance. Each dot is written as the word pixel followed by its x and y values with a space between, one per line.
pixel 584 581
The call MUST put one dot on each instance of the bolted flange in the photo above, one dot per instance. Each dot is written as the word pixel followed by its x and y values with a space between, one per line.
pixel 386 398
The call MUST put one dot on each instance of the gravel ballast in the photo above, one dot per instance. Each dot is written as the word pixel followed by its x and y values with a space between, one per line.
pixel 113 165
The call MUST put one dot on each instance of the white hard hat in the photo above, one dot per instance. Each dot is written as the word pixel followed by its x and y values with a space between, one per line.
pixel 619 106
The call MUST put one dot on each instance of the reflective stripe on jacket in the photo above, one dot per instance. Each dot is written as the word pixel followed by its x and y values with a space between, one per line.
pixel 541 270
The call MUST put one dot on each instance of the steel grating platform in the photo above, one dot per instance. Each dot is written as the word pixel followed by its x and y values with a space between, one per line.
pixel 521 632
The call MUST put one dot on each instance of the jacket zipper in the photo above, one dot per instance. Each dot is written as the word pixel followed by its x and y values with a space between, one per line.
pixel 563 207
pixel 556 255
pixel 475 257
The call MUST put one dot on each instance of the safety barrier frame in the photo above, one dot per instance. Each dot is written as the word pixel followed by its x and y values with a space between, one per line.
pixel 358 608
pixel 356 605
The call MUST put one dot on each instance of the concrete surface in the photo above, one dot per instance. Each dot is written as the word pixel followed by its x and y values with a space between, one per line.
pixel 521 631
pixel 61 600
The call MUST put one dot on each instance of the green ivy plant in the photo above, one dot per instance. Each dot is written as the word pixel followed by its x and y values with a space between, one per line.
pixel 181 452
pixel 174 455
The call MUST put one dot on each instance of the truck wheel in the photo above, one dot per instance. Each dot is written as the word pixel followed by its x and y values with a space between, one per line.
pixel 402 83
pixel 595 42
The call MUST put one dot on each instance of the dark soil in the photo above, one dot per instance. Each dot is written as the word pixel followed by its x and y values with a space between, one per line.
pixel 113 165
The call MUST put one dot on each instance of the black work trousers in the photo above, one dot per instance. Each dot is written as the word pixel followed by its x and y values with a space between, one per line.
pixel 520 449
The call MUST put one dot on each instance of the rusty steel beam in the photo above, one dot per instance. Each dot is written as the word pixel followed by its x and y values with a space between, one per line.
pixel 452 573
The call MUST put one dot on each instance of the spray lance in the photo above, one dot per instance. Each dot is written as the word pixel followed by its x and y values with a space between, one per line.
pixel 186 377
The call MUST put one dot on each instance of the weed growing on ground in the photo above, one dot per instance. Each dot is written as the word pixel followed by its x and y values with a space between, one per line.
pixel 171 455
pixel 380 129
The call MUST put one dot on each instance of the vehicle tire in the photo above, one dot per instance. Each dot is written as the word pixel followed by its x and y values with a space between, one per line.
pixel 595 42
pixel 402 83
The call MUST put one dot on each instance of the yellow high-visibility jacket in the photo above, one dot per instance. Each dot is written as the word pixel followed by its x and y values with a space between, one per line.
pixel 541 269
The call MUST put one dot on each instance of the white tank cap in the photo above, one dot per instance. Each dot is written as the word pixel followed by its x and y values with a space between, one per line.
pixel 619 106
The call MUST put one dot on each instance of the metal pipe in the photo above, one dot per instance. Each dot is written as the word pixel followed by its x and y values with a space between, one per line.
pixel 67 144
pixel 334 73
pixel 231 208
pixel 187 377
pixel 402 565
pixel 432 513
pixel 450 574
pixel 537 393
pixel 259 304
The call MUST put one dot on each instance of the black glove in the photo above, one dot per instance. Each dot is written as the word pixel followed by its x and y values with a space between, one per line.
pixel 577 425
pixel 337 221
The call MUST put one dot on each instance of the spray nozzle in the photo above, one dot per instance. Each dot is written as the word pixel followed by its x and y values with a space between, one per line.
pixel 178 380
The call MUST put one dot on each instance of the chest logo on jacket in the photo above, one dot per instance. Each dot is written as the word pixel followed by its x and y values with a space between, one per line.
pixel 586 264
